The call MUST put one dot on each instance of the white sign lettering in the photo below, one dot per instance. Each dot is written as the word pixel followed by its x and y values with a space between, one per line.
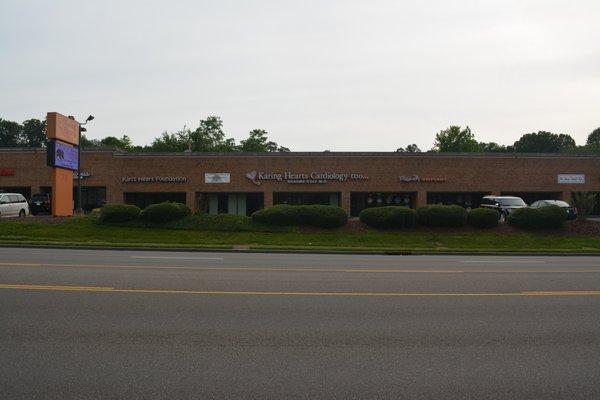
pixel 154 179
pixel 304 178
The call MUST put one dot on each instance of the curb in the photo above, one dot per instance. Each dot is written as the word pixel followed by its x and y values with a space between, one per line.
pixel 302 251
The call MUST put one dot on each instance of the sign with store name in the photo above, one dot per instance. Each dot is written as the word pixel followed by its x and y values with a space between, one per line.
pixel 62 155
pixel 217 177
pixel 154 179
pixel 419 179
pixel 84 174
pixel 304 178
pixel 62 128
pixel 7 172
pixel 577 179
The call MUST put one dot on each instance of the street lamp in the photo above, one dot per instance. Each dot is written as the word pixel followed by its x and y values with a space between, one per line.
pixel 81 129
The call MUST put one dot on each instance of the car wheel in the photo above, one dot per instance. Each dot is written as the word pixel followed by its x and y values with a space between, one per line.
pixel 22 213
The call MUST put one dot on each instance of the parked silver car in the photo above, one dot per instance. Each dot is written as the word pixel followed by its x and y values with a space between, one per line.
pixel 13 205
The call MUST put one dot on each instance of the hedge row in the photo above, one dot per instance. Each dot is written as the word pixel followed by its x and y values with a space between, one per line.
pixel 552 217
pixel 395 217
pixel 321 216
pixel 160 213
pixel 392 217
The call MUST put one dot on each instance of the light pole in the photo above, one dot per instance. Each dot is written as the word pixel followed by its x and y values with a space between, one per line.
pixel 81 129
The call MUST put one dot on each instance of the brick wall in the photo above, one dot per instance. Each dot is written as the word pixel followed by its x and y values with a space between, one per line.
pixel 459 173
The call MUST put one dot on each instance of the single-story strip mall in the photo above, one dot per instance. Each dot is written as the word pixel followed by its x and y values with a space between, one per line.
pixel 241 183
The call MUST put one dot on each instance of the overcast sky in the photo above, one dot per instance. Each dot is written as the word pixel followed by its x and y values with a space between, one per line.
pixel 340 75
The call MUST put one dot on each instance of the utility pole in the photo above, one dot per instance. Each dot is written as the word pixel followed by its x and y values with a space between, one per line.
pixel 79 210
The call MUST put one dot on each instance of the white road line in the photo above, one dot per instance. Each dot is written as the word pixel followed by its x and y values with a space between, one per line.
pixel 502 262
pixel 178 258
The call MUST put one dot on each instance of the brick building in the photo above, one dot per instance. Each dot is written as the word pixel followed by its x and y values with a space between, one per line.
pixel 244 182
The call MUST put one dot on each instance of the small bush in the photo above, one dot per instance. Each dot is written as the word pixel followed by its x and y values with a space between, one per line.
pixel 165 212
pixel 552 217
pixel 119 213
pixel 321 216
pixel 392 217
pixel 442 216
pixel 483 218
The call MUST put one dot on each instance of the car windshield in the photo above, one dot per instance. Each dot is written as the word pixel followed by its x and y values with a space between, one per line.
pixel 39 197
pixel 511 202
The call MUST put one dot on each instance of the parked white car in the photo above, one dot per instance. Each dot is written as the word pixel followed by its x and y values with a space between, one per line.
pixel 13 205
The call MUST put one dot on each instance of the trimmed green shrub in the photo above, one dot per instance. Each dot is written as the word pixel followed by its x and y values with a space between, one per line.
pixel 392 217
pixel 119 213
pixel 165 212
pixel 321 216
pixel 552 217
pixel 442 216
pixel 483 218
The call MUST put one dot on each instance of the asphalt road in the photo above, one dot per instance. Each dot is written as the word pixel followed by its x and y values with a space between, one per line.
pixel 121 324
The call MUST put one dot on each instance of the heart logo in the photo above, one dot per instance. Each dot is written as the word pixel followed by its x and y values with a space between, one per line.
pixel 253 176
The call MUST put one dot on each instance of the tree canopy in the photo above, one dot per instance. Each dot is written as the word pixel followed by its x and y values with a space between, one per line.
pixel 411 148
pixel 456 140
pixel 31 133
pixel 544 142
pixel 210 136
pixel 593 138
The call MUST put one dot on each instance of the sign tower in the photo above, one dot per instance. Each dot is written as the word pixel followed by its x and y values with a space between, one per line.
pixel 62 156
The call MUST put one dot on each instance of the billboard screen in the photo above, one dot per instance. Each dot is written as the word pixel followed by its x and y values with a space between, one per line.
pixel 62 155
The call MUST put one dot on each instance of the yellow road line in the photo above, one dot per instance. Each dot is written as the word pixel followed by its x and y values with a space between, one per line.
pixel 582 293
pixel 294 269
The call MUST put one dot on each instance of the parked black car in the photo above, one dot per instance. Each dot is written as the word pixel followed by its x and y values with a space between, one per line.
pixel 571 211
pixel 40 203
pixel 503 204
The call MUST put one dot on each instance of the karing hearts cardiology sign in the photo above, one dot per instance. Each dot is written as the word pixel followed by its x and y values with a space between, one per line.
pixel 304 178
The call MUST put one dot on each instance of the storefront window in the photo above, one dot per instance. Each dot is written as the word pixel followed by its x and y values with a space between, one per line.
pixel 467 200
pixel 24 190
pixel 91 197
pixel 305 198
pixel 360 201
pixel 230 203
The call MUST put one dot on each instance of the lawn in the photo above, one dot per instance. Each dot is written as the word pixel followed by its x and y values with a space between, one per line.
pixel 85 231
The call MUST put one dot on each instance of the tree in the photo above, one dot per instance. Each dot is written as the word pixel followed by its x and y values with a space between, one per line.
pixel 89 143
pixel 594 138
pixel 544 142
pixel 10 133
pixel 584 202
pixel 171 142
pixel 258 142
pixel 455 140
pixel 209 136
pixel 34 133
pixel 411 148
pixel 492 147
pixel 124 143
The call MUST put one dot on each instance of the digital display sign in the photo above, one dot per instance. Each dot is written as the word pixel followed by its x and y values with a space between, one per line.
pixel 62 155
